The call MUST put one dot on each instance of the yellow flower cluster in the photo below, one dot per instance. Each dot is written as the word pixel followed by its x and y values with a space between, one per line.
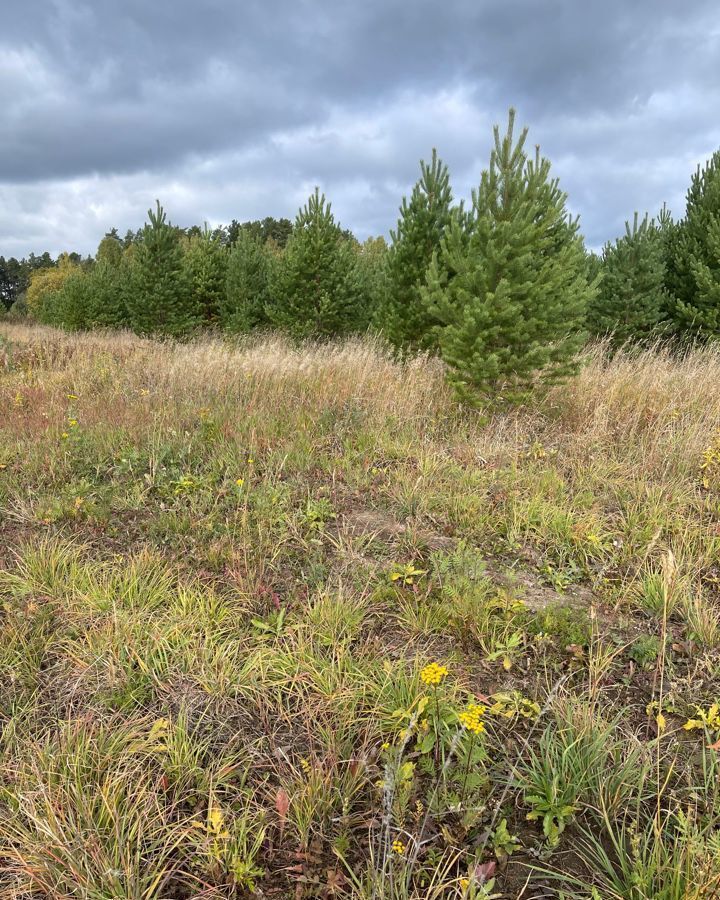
pixel 433 674
pixel 471 718
pixel 709 719
pixel 398 847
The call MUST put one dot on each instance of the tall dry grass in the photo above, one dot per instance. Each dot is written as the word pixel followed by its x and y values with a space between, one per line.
pixel 663 405
pixel 259 370
pixel 654 411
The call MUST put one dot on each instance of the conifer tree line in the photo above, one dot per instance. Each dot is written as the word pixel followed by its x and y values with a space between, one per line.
pixel 502 289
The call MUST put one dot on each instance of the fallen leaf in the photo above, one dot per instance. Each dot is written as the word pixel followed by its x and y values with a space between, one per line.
pixel 282 805
pixel 485 871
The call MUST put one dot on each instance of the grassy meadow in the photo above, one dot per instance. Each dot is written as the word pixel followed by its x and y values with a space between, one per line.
pixel 291 623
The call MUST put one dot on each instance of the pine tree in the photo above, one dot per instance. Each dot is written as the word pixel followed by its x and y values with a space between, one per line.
pixel 372 264
pixel 631 301
pixel 247 290
pixel 70 309
pixel 206 261
pixel 404 317
pixel 89 298
pixel 511 291
pixel 159 295
pixel 693 276
pixel 317 289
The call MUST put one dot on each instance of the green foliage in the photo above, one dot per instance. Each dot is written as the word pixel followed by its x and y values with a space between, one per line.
pixel 694 257
pixel 504 843
pixel 372 264
pixel 247 290
pixel 110 249
pixel 159 294
pixel 631 301
pixel 14 276
pixel 206 262
pixel 317 289
pixel 91 299
pixel 513 304
pixel 269 229
pixel 565 624
pixel 551 797
pixel 403 316
pixel 71 307
pixel 502 291
pixel 44 288
pixel 645 650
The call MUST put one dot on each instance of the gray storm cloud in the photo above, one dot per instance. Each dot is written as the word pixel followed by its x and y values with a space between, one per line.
pixel 235 110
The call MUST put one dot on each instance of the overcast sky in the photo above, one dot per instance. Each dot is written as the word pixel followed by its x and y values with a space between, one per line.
pixel 236 108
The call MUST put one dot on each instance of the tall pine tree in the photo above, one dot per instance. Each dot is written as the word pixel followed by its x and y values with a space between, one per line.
pixel 317 290
pixel 693 276
pixel 403 316
pixel 514 300
pixel 206 261
pixel 159 296
pixel 247 288
pixel 631 301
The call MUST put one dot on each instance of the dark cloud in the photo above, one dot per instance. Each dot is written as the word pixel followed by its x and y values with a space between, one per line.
pixel 236 109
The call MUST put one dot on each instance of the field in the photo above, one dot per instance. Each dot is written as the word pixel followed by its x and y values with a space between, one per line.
pixel 226 573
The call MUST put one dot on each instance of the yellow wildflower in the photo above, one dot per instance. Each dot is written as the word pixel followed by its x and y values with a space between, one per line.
pixel 239 482
pixel 433 674
pixel 471 718
pixel 398 847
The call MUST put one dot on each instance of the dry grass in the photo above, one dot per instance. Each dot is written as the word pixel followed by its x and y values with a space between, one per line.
pixel 649 401
pixel 224 566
